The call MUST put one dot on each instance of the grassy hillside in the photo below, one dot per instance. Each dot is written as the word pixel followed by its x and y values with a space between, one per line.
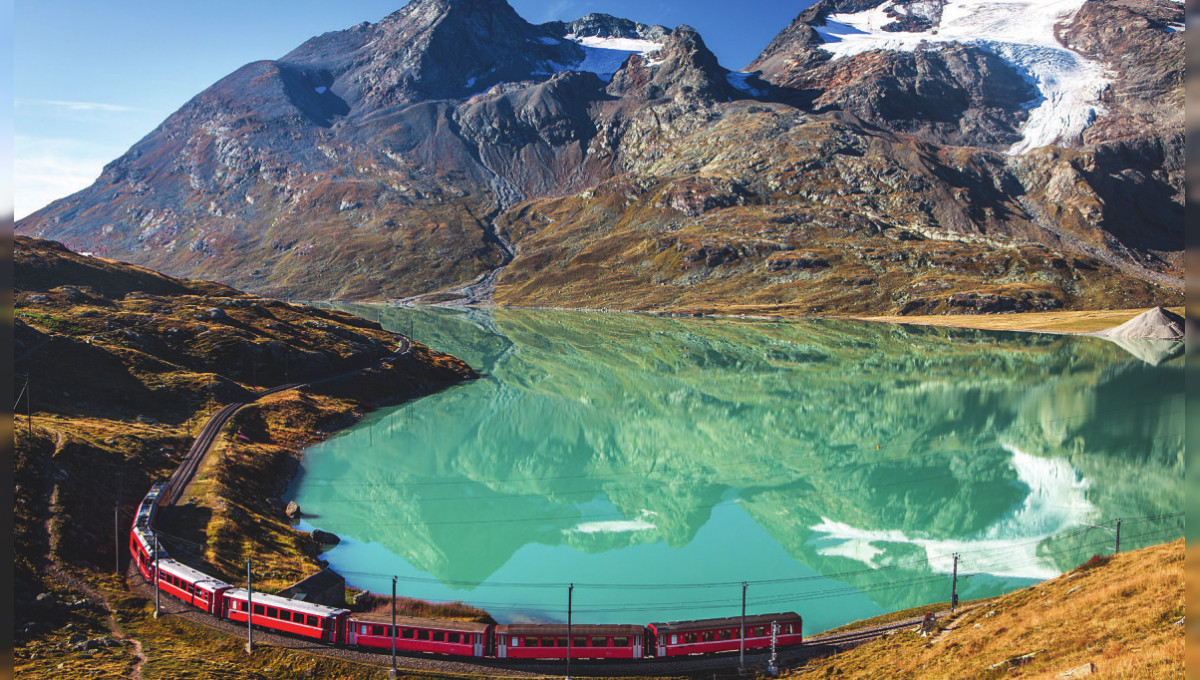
pixel 1122 614
pixel 116 369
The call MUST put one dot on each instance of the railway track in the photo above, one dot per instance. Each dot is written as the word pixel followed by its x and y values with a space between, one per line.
pixel 207 436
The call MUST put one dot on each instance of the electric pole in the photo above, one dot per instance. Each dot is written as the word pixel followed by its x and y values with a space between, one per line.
pixel 570 595
pixel 249 610
pixel 392 673
pixel 1118 548
pixel 117 538
pixel 954 585
pixel 156 590
pixel 742 644
pixel 773 664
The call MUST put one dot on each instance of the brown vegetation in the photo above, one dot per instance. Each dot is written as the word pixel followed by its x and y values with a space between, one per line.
pixel 1123 614
pixel 123 367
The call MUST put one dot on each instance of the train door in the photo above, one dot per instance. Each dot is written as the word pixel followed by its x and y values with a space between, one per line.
pixel 637 646
pixel 501 646
pixel 478 649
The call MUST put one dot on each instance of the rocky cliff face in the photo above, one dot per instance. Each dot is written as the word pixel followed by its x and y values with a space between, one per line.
pixel 453 138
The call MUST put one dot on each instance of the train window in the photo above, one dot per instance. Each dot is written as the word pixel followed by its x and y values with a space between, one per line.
pixel 529 641
pixel 674 639
pixel 406 633
pixel 285 615
pixel 706 636
pixel 258 609
pixel 620 641
pixel 689 638
pixel 272 613
pixel 562 641
pixel 422 635
pixel 363 628
pixel 547 642
pixel 439 636
pixel 453 638
pixel 788 628
pixel 379 630
pixel 724 634
pixel 599 641
pixel 515 641
pixel 579 642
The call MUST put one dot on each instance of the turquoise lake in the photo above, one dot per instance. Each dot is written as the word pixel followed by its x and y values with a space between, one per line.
pixel 835 467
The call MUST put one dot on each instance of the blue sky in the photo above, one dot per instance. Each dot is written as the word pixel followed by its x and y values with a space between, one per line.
pixel 91 78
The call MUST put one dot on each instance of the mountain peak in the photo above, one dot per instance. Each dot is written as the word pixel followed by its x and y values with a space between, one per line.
pixel 683 68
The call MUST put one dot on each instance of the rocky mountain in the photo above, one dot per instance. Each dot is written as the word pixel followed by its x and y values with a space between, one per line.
pixel 455 152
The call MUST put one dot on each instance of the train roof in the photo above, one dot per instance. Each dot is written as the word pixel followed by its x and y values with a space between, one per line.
pixel 147 539
pixel 192 575
pixel 293 605
pixel 420 622
pixel 727 622
pixel 576 629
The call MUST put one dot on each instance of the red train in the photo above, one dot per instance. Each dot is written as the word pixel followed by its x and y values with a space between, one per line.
pixel 333 625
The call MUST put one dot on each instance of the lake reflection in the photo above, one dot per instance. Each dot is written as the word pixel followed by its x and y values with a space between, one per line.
pixel 836 466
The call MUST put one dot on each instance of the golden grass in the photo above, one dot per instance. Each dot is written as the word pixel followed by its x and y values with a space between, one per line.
pixel 406 606
pixel 1120 616
pixel 1040 322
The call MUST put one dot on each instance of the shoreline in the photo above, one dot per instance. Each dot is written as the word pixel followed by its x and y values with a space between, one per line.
pixel 1066 322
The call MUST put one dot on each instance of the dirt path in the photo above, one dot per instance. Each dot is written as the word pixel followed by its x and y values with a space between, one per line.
pixel 55 571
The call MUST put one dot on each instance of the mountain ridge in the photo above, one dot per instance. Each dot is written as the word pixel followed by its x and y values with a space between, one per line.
pixel 379 162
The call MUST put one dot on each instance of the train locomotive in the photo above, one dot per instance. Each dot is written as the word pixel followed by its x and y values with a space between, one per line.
pixel 376 632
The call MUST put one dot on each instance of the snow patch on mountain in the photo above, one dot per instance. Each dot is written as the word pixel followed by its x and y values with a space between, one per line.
pixel 605 56
pixel 738 80
pixel 1020 32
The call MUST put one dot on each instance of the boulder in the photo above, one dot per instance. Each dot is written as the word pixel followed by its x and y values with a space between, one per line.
pixel 324 538
pixel 1080 672
pixel 292 510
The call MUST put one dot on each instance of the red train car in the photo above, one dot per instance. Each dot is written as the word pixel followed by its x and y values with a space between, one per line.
pixel 147 510
pixel 193 587
pixel 705 636
pixel 141 549
pixel 588 641
pixel 415 634
pixel 316 621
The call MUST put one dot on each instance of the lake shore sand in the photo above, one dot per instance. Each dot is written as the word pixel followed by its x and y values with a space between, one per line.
pixel 1033 322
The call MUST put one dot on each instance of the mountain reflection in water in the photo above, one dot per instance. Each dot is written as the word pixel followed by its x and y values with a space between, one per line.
pixel 837 466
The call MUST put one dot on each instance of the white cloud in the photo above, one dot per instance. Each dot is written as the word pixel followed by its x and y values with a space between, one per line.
pixel 76 107
pixel 48 169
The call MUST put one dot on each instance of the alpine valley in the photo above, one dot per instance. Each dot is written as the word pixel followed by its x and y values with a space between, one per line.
pixel 879 156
